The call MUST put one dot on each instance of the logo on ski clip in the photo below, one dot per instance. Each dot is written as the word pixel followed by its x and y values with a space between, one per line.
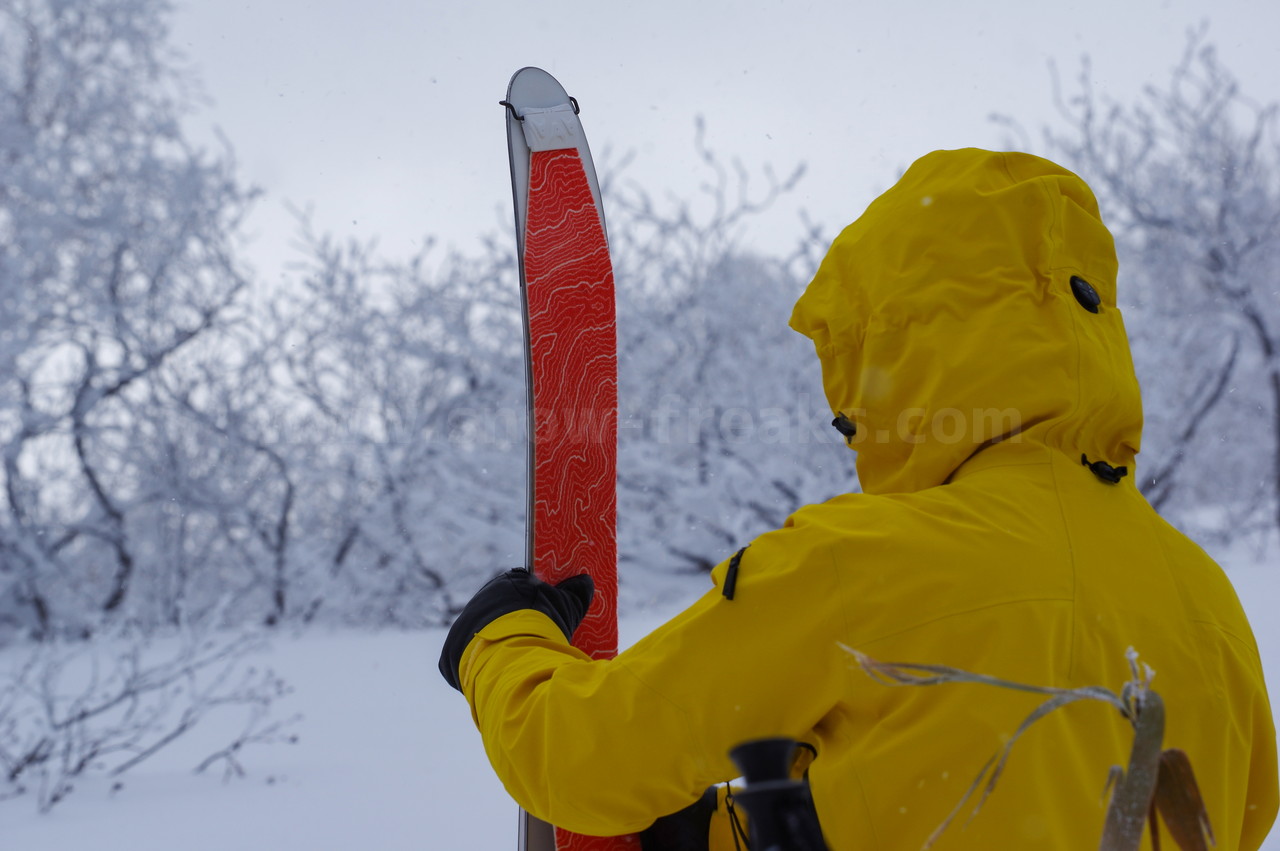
pixel 551 129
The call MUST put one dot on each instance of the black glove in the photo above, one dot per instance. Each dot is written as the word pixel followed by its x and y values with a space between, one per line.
pixel 686 830
pixel 565 603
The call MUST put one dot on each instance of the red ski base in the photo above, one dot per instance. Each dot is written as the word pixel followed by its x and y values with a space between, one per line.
pixel 573 378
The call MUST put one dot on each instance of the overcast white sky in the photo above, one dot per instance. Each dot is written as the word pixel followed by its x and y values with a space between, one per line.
pixel 382 114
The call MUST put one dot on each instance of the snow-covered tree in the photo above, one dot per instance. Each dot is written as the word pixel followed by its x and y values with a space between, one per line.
pixel 403 427
pixel 115 259
pixel 724 426
pixel 122 507
pixel 1189 179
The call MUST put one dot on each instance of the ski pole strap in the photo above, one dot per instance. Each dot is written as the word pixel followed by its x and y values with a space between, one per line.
pixel 740 840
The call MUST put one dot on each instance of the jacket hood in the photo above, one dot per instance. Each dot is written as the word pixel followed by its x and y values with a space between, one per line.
pixel 948 323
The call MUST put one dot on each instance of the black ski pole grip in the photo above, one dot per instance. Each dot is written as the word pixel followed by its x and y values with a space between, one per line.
pixel 780 810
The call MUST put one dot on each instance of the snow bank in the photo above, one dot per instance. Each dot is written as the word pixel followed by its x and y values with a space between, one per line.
pixel 388 760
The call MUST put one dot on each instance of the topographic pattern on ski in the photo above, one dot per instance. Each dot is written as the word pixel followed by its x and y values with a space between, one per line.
pixel 569 287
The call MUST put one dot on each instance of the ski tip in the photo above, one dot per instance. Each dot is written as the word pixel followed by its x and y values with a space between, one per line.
pixel 532 86
pixel 530 69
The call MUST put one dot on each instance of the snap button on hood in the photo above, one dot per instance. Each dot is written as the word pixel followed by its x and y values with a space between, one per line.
pixel 1085 294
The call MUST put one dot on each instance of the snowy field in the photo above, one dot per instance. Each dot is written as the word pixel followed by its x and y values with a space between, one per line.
pixel 388 759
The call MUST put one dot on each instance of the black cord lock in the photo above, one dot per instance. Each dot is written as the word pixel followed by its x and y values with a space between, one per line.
pixel 1104 471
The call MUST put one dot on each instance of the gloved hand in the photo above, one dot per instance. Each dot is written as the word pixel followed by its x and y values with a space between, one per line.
pixel 686 830
pixel 565 603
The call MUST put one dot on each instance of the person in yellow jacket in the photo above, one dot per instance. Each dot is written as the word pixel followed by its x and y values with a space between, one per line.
pixel 973 353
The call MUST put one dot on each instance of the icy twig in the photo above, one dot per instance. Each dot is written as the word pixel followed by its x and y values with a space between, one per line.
pixel 75 709
pixel 1157 781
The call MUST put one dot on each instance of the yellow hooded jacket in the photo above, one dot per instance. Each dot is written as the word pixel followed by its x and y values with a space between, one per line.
pixel 949 331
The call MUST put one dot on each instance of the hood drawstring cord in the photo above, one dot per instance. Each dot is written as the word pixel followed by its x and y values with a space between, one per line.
pixel 1104 471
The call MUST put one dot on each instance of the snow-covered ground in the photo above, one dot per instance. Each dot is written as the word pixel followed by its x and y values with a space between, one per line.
pixel 388 759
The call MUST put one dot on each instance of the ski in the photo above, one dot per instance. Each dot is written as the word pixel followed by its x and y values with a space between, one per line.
pixel 566 284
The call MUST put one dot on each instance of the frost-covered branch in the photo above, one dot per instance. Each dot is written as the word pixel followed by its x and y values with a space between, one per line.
pixel 1157 780
pixel 72 709
pixel 1188 176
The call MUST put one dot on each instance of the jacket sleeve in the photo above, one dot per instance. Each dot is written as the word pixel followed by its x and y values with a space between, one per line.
pixel 605 747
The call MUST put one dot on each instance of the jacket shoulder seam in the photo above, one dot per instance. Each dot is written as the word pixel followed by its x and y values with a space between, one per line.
pixel 1251 646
